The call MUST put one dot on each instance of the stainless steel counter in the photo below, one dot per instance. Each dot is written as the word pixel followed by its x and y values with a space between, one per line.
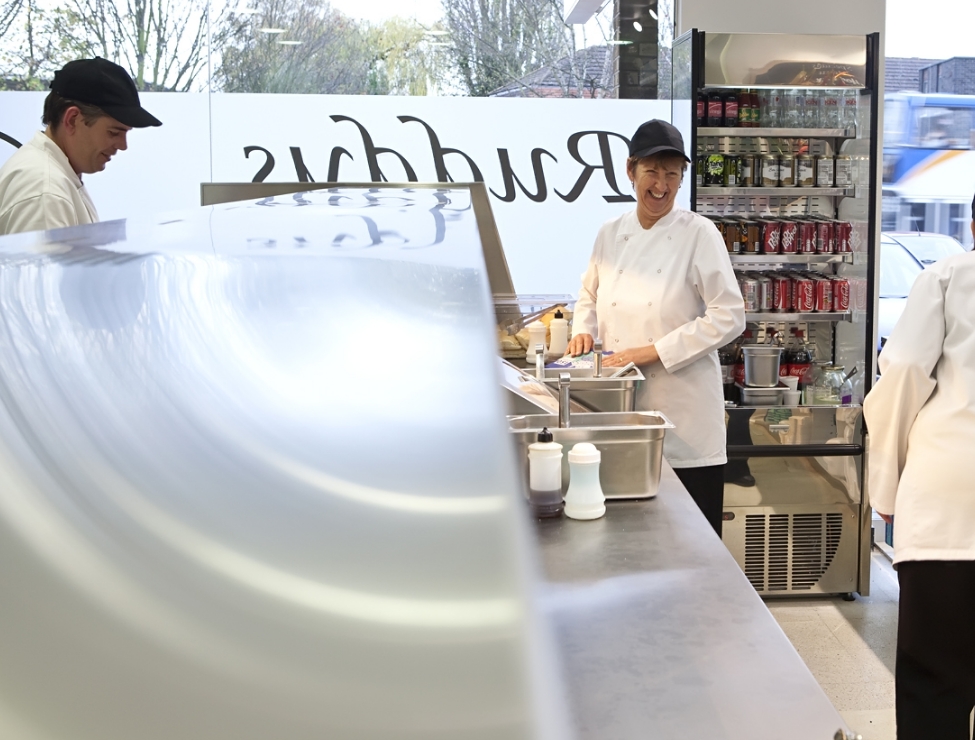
pixel 234 504
pixel 662 636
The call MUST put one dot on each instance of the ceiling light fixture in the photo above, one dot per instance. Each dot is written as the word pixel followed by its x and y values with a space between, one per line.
pixel 288 42
pixel 653 13
pixel 271 30
pixel 637 26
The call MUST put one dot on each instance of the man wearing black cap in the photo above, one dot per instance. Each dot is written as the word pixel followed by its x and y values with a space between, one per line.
pixel 92 106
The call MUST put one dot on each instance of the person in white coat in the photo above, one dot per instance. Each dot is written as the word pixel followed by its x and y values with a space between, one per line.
pixel 921 422
pixel 92 106
pixel 660 292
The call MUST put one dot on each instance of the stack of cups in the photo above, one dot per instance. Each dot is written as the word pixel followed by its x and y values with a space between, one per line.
pixel 791 396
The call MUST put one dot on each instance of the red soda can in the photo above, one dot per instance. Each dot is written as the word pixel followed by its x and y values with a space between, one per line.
pixel 844 236
pixel 825 237
pixel 771 232
pixel 781 293
pixel 841 294
pixel 824 295
pixel 789 237
pixel 803 294
pixel 807 237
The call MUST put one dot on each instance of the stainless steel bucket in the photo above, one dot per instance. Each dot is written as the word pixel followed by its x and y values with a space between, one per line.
pixel 762 365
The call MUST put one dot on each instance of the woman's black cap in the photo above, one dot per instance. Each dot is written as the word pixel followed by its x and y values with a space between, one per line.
pixel 104 84
pixel 657 137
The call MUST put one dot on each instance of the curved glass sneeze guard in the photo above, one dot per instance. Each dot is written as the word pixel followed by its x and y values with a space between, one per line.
pixel 241 475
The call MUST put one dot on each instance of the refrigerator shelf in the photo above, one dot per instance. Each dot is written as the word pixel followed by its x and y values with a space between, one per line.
pixel 791 258
pixel 798 316
pixel 779 133
pixel 811 192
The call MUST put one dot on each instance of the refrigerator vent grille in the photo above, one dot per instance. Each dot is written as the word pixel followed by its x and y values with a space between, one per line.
pixel 790 552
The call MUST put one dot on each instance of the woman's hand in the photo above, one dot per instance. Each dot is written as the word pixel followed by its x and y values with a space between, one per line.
pixel 579 345
pixel 637 355
pixel 889 518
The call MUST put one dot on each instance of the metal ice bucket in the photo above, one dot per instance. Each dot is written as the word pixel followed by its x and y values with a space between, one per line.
pixel 762 365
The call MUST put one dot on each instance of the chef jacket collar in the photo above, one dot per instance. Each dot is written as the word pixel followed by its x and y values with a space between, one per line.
pixel 631 224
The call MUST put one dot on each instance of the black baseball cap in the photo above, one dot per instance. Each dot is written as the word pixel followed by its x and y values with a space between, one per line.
pixel 657 137
pixel 104 84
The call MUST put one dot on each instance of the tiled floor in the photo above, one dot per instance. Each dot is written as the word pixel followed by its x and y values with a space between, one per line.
pixel 849 647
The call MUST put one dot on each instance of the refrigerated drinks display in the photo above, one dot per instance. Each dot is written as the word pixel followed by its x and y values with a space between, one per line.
pixel 783 132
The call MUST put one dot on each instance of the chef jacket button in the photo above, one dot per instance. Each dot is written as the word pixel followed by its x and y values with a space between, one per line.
pixel 614 304
pixel 626 238
pixel 653 375
pixel 668 238
pixel 650 339
pixel 658 271
pixel 621 272
pixel 649 303
pixel 617 341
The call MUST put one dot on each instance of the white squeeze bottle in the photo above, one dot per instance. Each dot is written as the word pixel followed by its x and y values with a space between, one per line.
pixel 536 335
pixel 559 328
pixel 584 499
pixel 545 475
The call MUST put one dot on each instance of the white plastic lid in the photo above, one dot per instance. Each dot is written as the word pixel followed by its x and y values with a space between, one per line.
pixel 584 452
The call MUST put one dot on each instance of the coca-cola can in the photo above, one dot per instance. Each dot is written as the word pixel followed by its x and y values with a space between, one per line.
pixel 781 293
pixel 823 295
pixel 803 293
pixel 825 237
pixel 749 292
pixel 765 302
pixel 844 236
pixel 807 237
pixel 771 233
pixel 841 294
pixel 789 237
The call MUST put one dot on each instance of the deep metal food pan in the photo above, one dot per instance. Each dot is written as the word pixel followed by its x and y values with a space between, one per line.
pixel 631 445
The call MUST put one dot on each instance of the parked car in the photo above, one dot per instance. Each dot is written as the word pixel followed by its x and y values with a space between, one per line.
pixel 902 257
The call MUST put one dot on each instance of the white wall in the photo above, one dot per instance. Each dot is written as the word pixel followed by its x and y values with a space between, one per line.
pixel 547 240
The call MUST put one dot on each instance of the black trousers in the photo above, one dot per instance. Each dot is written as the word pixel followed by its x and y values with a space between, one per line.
pixel 935 672
pixel 706 486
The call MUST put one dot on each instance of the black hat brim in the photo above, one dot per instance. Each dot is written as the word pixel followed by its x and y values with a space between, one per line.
pixel 130 115
pixel 660 150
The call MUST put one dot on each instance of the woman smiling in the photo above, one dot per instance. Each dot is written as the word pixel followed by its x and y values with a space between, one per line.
pixel 660 292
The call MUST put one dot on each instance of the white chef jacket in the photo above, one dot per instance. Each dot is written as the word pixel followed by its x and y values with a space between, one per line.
pixel 671 286
pixel 39 190
pixel 921 418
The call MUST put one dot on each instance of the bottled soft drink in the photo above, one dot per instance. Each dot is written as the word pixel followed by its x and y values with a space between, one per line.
pixel 789 112
pixel 756 113
pixel 812 102
pixel 800 363
pixel 848 109
pixel 726 358
pixel 771 103
pixel 830 114
pixel 702 109
pixel 731 110
pixel 715 109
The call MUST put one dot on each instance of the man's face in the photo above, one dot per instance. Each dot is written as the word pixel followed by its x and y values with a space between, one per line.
pixel 656 181
pixel 90 146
